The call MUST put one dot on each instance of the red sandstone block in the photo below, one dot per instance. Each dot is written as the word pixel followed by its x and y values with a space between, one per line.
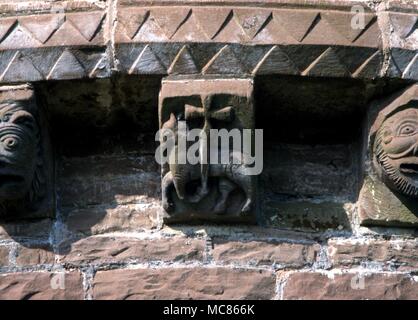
pixel 264 253
pixel 116 249
pixel 41 286
pixel 349 286
pixel 399 254
pixel 184 283
pixel 34 255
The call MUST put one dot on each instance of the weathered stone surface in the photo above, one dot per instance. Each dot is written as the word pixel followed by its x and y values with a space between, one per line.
pixel 403 63
pixel 107 218
pixel 207 190
pixel 378 286
pixel 41 286
pixel 390 189
pixel 310 150
pixel 108 180
pixel 240 59
pixel 184 283
pixel 305 215
pixel 238 24
pixel 149 37
pixel 310 171
pixel 46 41
pixel 397 254
pixel 241 232
pixel 109 193
pixel 34 255
pixel 380 207
pixel 404 29
pixel 27 173
pixel 264 253
pixel 4 256
pixel 116 249
pixel 37 229
pixel 107 119
pixel 72 39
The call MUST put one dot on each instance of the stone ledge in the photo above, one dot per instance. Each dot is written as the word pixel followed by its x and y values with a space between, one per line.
pixel 184 37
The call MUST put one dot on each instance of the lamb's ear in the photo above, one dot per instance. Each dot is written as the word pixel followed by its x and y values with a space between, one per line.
pixel 170 123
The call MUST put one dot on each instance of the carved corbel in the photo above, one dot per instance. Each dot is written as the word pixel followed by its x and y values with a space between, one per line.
pixel 26 164
pixel 206 191
pixel 389 196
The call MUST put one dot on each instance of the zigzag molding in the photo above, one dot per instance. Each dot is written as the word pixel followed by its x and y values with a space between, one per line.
pixel 322 61
pixel 205 39
pixel 237 25
pixel 171 59
pixel 28 65
pixel 83 28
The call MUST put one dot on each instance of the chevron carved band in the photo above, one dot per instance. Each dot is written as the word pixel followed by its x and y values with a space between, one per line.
pixel 82 40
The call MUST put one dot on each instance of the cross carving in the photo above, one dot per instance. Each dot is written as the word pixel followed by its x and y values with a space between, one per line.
pixel 224 114
pixel 192 112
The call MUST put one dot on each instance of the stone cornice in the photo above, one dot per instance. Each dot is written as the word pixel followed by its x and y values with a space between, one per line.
pixel 76 39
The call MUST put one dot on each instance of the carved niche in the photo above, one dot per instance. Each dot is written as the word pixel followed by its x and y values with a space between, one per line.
pixel 389 195
pixel 26 166
pixel 206 191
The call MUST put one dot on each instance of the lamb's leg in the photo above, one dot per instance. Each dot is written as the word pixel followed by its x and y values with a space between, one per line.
pixel 247 206
pixel 167 186
pixel 201 192
pixel 225 188
pixel 245 182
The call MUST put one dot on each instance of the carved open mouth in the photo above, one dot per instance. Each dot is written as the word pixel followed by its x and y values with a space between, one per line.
pixel 409 168
pixel 7 179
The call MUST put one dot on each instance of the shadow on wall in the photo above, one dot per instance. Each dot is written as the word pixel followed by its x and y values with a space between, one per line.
pixel 106 176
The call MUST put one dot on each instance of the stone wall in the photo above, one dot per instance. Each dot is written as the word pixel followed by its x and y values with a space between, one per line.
pixel 108 240
pixel 107 237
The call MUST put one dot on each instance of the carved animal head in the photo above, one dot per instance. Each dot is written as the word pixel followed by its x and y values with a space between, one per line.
pixel 20 157
pixel 396 151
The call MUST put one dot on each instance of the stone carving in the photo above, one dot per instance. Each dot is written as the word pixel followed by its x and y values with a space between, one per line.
pixel 390 191
pixel 261 38
pixel 43 42
pixel 238 24
pixel 396 151
pixel 25 184
pixel 218 192
pixel 57 42
pixel 229 178
pixel 166 58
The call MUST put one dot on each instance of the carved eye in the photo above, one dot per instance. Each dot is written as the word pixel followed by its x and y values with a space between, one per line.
pixel 407 130
pixel 6 118
pixel 10 143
